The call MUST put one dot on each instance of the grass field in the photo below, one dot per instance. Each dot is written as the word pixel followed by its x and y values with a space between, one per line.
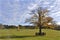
pixel 28 34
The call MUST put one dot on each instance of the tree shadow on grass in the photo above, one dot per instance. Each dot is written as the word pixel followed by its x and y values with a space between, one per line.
pixel 4 37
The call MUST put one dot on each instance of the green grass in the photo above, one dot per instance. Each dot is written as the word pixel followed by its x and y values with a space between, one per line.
pixel 28 34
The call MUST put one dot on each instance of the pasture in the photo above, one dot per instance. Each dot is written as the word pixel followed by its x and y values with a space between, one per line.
pixel 28 34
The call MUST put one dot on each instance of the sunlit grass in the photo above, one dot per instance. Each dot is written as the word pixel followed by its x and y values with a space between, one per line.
pixel 28 34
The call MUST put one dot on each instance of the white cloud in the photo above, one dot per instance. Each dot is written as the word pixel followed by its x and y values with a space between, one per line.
pixel 46 2
pixel 32 6
pixel 58 23
pixel 51 6
pixel 55 14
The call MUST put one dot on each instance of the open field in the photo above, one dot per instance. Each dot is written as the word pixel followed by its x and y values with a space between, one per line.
pixel 28 34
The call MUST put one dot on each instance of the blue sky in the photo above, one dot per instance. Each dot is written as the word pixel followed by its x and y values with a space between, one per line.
pixel 15 12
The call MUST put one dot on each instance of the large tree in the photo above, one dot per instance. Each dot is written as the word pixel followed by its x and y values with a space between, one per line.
pixel 40 18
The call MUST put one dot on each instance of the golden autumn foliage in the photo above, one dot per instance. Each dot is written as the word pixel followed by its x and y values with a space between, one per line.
pixel 41 18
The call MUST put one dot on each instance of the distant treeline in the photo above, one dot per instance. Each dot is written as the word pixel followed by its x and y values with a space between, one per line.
pixel 7 26
pixel 13 27
pixel 27 27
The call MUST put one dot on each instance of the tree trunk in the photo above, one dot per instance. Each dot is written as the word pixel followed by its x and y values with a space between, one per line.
pixel 40 29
